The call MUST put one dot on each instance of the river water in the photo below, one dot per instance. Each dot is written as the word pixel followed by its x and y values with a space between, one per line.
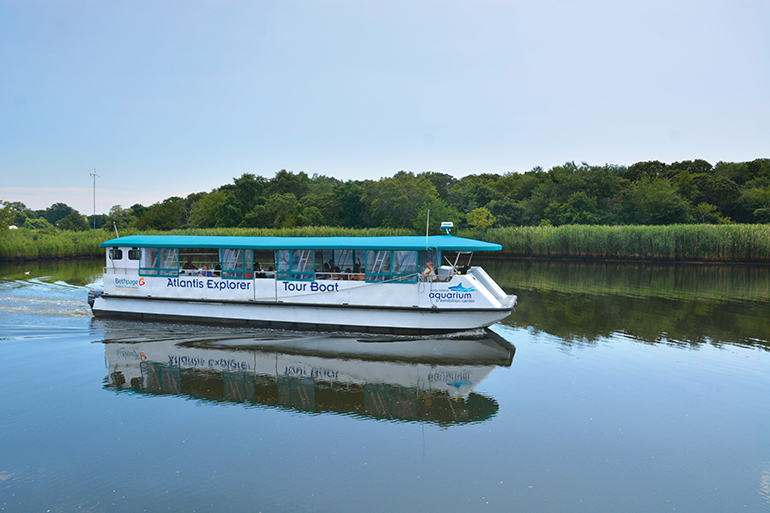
pixel 631 388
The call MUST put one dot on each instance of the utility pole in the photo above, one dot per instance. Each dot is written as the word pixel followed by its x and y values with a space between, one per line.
pixel 94 175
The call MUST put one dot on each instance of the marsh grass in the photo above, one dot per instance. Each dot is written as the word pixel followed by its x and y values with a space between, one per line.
pixel 688 243
pixel 24 244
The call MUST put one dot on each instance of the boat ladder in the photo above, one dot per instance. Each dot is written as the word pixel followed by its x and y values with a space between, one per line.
pixel 379 261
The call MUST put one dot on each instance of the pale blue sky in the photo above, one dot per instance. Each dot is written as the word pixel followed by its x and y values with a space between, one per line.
pixel 170 98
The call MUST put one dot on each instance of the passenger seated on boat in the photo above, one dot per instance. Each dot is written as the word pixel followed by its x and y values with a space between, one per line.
pixel 357 274
pixel 217 271
pixel 189 264
pixel 205 271
pixel 347 275
pixel 258 271
pixel 430 274
pixel 336 273
pixel 325 275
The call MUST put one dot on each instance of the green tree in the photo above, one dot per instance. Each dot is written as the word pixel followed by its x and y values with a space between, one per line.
pixel 754 205
pixel 440 211
pixel 38 223
pixel 441 181
pixel 286 182
pixel 259 217
pixel 57 212
pixel 708 213
pixel 283 208
pixel 395 202
pixel 327 205
pixel 507 211
pixel 207 212
pixel 6 215
pixel 655 201
pixel 650 169
pixel 473 191
pixel 321 184
pixel 246 192
pixel 73 221
pixel 352 205
pixel 165 215
pixel 480 218
pixel 120 217
pixel 311 216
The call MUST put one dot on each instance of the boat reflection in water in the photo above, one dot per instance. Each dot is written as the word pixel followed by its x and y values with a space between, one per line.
pixel 387 378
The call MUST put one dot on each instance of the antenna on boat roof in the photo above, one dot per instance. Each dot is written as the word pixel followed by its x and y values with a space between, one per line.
pixel 427 226
pixel 116 229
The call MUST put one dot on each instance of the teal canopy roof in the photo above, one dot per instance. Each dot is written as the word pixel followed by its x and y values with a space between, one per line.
pixel 413 243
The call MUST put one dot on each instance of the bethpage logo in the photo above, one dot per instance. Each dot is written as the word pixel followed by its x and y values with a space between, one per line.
pixel 128 284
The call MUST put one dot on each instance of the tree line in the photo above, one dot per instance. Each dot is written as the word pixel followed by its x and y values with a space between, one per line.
pixel 645 193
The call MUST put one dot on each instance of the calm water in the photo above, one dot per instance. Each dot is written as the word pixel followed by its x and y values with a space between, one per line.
pixel 632 388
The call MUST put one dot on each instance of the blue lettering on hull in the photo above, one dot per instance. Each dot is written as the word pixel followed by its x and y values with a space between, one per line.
pixel 176 283
pixel 315 286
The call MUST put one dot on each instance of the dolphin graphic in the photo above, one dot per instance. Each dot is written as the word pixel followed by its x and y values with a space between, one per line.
pixel 459 288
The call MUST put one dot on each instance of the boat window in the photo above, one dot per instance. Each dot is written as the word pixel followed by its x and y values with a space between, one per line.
pixel 265 259
pixel 169 262
pixel 303 264
pixel 236 263
pixel 340 264
pixel 134 254
pixel 430 256
pixel 283 259
pixel 378 265
pixel 116 254
pixel 405 266
pixel 296 264
pixel 163 262
pixel 149 264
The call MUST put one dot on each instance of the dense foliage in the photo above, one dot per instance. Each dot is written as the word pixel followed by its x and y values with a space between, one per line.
pixel 646 193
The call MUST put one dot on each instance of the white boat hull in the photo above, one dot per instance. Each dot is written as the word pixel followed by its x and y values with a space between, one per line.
pixel 398 320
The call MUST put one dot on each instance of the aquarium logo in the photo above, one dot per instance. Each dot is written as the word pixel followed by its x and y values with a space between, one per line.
pixel 456 294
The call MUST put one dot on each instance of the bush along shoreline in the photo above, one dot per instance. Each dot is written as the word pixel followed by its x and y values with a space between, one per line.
pixel 674 243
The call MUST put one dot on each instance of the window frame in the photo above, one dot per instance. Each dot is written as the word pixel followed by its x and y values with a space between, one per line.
pixel 246 271
pixel 161 256
pixel 290 274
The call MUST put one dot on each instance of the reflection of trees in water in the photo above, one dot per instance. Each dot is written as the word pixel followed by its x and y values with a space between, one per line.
pixel 583 317
pixel 686 281
pixel 73 271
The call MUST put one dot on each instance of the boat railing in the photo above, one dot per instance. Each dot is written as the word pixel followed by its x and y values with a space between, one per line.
pixel 119 270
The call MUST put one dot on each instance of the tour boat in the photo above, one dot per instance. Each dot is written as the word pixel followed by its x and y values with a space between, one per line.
pixel 369 284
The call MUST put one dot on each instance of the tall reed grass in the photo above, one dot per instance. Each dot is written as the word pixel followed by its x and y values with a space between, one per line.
pixel 716 243
pixel 683 242
pixel 24 244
